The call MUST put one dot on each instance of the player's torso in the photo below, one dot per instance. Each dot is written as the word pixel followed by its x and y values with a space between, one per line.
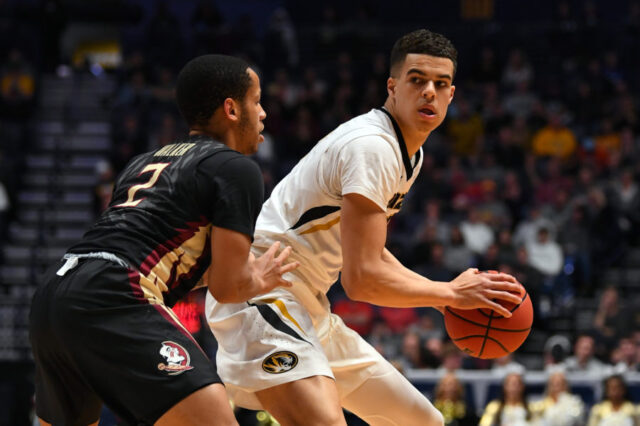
pixel 156 221
pixel 304 209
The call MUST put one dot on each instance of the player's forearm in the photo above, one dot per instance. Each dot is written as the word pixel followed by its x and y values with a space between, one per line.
pixel 234 288
pixel 386 282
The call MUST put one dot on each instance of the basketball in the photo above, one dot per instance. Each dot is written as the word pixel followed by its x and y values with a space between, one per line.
pixel 483 333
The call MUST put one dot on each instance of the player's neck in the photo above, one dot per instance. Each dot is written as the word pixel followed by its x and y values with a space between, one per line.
pixel 226 138
pixel 412 139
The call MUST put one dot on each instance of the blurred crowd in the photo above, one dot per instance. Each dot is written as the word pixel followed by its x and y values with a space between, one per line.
pixel 535 171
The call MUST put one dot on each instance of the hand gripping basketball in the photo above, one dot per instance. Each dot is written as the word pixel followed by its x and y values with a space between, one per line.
pixel 484 333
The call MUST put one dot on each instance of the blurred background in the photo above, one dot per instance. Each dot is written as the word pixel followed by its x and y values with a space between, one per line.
pixel 534 172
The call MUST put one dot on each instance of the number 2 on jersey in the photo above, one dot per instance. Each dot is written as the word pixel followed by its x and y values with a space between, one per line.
pixel 156 168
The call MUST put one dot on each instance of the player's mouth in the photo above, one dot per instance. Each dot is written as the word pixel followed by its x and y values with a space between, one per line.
pixel 428 112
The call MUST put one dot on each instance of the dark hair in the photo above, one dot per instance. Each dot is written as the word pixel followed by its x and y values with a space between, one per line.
pixel 423 42
pixel 619 378
pixel 206 81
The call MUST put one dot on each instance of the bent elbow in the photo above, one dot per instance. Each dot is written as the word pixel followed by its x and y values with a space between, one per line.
pixel 222 295
pixel 355 287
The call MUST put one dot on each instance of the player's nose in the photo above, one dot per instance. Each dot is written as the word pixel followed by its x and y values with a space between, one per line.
pixel 429 90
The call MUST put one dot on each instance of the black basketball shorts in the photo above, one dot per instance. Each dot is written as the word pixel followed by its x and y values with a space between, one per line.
pixel 95 339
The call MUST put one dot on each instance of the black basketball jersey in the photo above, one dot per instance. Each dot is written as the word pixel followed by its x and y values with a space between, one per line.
pixel 164 204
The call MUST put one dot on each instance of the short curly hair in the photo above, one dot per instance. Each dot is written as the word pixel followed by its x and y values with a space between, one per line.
pixel 206 81
pixel 422 42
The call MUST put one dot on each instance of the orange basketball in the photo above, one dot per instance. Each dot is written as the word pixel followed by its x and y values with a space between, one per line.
pixel 484 333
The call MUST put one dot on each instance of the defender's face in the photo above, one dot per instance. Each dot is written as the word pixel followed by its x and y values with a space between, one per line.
pixel 422 90
pixel 252 114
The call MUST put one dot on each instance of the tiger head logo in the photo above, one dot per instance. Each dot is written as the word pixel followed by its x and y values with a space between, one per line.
pixel 280 362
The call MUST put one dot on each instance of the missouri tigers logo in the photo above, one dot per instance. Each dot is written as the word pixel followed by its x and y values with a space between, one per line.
pixel 280 362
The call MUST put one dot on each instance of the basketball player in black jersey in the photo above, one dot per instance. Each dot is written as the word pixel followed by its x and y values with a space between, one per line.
pixel 101 327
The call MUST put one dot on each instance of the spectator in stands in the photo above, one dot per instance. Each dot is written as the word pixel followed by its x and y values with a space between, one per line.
pixel 512 408
pixel 607 239
pixel 545 255
pixel 615 408
pixel 386 343
pixel 429 326
pixel 489 261
pixel 17 87
pixel 574 239
pixel 527 230
pixel 625 356
pixel 558 407
pixel 478 236
pixel 435 267
pixel 609 322
pixel 493 210
pixel 506 249
pixel 555 352
pixel 465 129
pixel 517 71
pixel 625 198
pixel 449 399
pixel 505 365
pixel 452 357
pixel 411 353
pixel 583 359
pixel 458 256
pixel 521 101
pixel 281 41
pixel 555 139
pixel 432 216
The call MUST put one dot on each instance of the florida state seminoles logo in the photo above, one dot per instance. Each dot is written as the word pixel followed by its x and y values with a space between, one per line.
pixel 177 358
pixel 279 362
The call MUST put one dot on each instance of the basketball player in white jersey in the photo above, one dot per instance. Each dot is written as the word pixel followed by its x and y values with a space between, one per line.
pixel 284 351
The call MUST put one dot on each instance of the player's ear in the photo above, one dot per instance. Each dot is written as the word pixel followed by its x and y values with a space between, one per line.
pixel 391 86
pixel 453 90
pixel 231 109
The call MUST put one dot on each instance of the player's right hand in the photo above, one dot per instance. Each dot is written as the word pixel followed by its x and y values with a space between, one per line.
pixel 474 289
pixel 267 270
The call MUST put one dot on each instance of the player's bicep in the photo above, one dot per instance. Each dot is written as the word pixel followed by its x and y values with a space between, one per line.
pixel 229 256
pixel 363 227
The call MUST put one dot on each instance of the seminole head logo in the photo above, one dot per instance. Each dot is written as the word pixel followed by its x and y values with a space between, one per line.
pixel 177 358
pixel 279 362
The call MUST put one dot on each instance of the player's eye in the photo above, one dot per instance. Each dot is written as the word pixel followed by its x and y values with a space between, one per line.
pixel 416 80
pixel 441 83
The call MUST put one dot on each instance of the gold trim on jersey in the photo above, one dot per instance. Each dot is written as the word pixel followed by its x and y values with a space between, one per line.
pixel 180 260
pixel 322 226
pixel 280 304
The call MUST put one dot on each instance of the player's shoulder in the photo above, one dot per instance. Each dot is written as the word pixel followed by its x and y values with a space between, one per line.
pixel 372 123
pixel 370 131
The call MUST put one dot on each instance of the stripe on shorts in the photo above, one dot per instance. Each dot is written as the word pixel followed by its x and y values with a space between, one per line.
pixel 276 322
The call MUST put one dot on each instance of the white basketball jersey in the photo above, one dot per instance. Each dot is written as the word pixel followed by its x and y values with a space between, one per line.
pixel 366 155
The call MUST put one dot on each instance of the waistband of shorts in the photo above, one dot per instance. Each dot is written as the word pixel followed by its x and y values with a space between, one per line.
pixel 104 255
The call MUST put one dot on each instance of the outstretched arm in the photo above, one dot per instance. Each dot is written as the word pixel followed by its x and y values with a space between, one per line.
pixel 372 274
pixel 235 275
